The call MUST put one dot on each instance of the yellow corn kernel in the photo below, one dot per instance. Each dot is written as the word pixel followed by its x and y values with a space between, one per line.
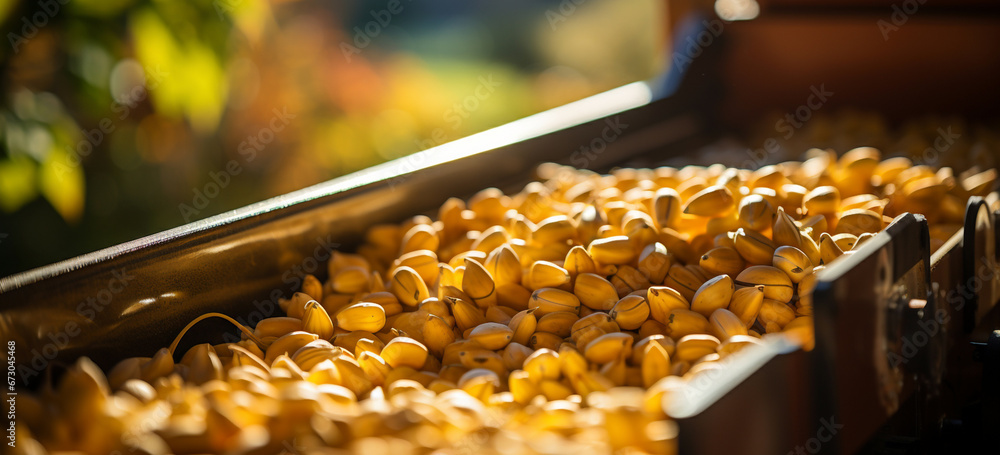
pixel 543 364
pixel 496 313
pixel 980 184
pixel 858 221
pixel 479 383
pixel 420 237
pixel 662 300
pixel 424 262
pixel 753 246
pixel 297 305
pixel 404 351
pixel 544 274
pixel 755 213
pixel 504 266
pixel 437 334
pixel 793 261
pixel 203 364
pixel 366 342
pixel 612 250
pixel 481 358
pixel 554 229
pixel 651 327
pixel 458 260
pixel 478 284
pixel 288 344
pixel 514 355
pixel 714 294
pixel 609 347
pixel 466 314
pixel 630 312
pixel 666 207
pixel 548 340
pixel 491 335
pixel 682 322
pixel 722 261
pixel 522 387
pixel 374 366
pixel 655 364
pixel 585 335
pixel 555 390
pixel 523 325
pixel 822 200
pixel 746 303
pixel 683 280
pixel 777 284
pixel 316 320
pixel 549 300
pixel 162 364
pixel 600 320
pixel 559 323
pixel 386 299
pixel 678 246
pixel 726 324
pixel 490 239
pixel 366 316
pixel 711 201
pixel 775 311
pixel 627 279
pixel 407 285
pixel 639 347
pixel 513 296
pixel 277 326
pixel 695 346
pixel 595 292
pixel 785 232
pixel 801 330
pixel 312 287
pixel 655 262
pixel 578 261
pixel 811 248
pixel 828 249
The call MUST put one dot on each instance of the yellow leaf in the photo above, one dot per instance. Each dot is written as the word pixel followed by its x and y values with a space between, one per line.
pixel 250 16
pixel 157 49
pixel 17 182
pixel 62 185
pixel 194 84
pixel 206 88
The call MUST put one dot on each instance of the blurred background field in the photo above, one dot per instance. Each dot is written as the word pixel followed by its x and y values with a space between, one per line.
pixel 122 118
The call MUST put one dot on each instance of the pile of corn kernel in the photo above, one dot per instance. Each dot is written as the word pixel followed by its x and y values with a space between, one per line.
pixel 554 320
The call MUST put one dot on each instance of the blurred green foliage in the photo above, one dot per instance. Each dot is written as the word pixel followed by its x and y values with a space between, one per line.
pixel 114 114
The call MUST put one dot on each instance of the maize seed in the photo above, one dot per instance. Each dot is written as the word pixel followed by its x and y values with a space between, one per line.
pixel 711 201
pixel 549 300
pixel 630 312
pixel 793 262
pixel 559 323
pixel 777 284
pixel 456 311
pixel 404 351
pixel 609 347
pixel 407 285
pixel 714 294
pixel 491 335
pixel 366 316
pixel 612 250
